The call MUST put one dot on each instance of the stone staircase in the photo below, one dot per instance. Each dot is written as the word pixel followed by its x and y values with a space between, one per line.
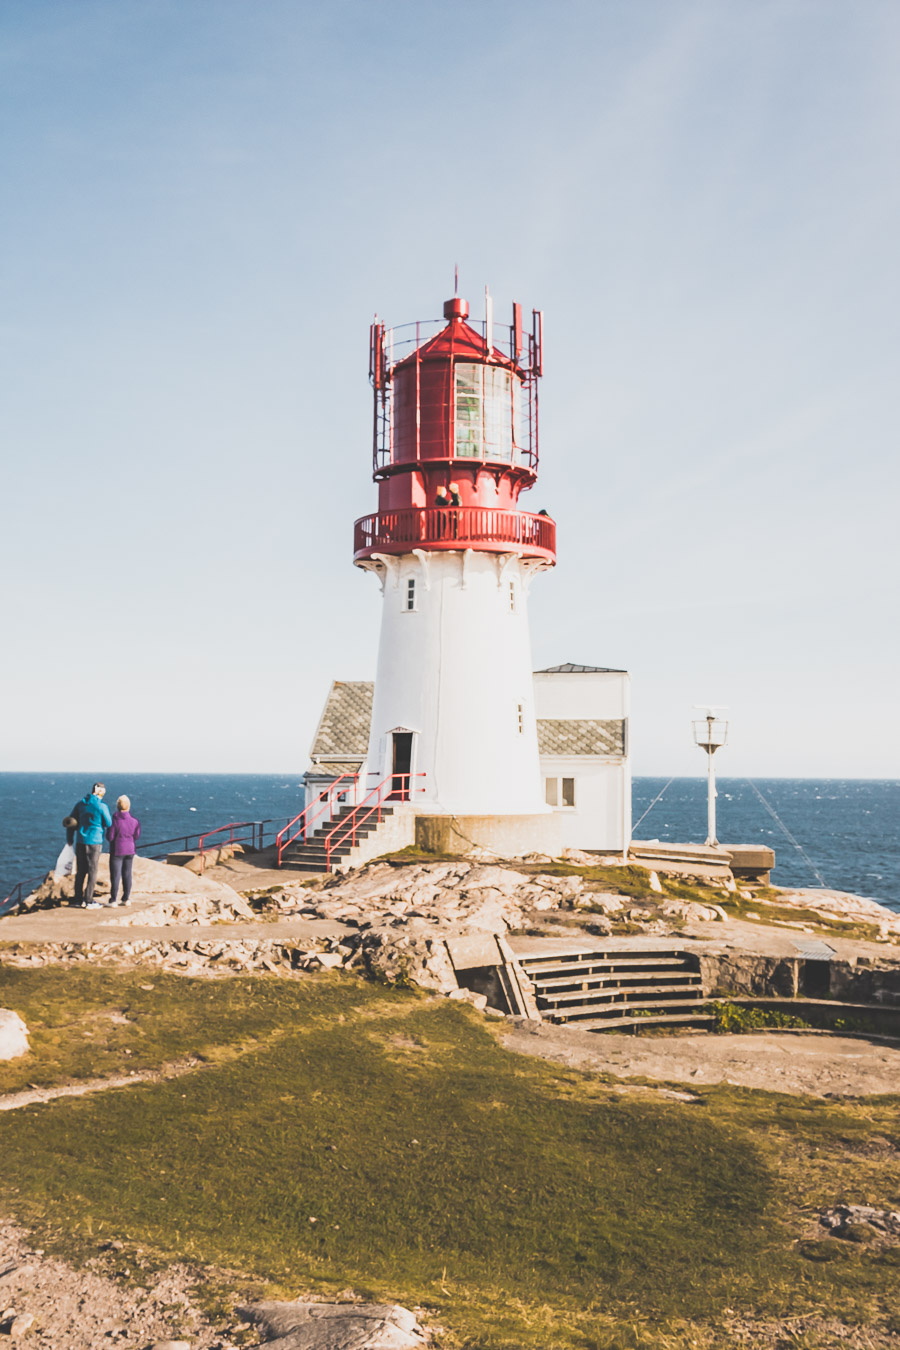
pixel 614 990
pixel 347 846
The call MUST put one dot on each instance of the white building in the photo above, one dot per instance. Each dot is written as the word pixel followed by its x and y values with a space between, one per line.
pixel 582 735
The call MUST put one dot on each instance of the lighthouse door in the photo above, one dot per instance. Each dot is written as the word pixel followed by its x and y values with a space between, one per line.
pixel 401 765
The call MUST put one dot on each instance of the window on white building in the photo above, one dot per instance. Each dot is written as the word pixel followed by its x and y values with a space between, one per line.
pixel 411 594
pixel 559 791
pixel 520 717
pixel 512 597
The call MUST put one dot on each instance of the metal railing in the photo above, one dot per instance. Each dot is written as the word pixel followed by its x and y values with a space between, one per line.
pixel 396 787
pixel 325 801
pixel 390 347
pixel 156 850
pixel 449 527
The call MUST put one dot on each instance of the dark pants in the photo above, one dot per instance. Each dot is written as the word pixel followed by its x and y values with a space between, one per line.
pixel 87 860
pixel 120 870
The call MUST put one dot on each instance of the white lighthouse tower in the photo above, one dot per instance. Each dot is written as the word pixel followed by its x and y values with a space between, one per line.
pixel 453 721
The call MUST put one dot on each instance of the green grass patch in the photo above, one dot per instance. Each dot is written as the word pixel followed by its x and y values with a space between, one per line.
pixel 343 1135
pixel 763 909
pixel 736 1018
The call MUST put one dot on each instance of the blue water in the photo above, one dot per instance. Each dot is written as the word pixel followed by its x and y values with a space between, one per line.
pixel 32 806
pixel 848 829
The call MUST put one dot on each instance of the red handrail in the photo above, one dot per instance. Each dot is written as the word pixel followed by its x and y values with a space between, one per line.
pixel 327 797
pixel 398 787
pixel 235 825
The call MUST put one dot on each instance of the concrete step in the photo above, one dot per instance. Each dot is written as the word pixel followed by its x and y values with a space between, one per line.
pixel 602 961
pixel 602 996
pixel 673 1019
pixel 593 1009
pixel 618 978
pixel 343 829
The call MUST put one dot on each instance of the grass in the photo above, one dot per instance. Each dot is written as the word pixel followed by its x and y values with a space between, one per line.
pixel 760 910
pixel 735 1018
pixel 344 1135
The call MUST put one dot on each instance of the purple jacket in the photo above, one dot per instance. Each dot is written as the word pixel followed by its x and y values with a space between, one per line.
pixel 123 834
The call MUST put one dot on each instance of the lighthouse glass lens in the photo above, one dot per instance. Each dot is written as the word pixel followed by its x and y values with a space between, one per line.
pixel 484 412
pixel 469 415
pixel 497 413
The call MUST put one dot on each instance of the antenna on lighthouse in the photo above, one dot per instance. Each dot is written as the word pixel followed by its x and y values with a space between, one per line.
pixel 488 320
pixel 456 278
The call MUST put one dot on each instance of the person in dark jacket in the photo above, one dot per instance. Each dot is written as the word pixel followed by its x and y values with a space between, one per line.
pixel 93 818
pixel 123 834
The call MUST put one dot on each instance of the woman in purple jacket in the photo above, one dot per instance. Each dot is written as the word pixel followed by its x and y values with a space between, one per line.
pixel 123 834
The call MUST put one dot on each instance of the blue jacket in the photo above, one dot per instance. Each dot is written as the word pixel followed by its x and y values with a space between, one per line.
pixel 93 818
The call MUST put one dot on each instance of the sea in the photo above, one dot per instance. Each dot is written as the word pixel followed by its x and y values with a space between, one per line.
pixel 843 834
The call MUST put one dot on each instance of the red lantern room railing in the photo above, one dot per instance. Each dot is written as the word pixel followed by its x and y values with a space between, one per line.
pixel 455 436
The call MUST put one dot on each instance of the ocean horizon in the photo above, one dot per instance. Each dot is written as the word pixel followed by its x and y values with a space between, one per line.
pixel 841 833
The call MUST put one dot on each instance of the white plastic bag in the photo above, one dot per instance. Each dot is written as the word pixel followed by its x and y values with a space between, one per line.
pixel 65 863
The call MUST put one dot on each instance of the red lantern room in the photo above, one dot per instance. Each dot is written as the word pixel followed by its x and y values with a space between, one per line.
pixel 455 437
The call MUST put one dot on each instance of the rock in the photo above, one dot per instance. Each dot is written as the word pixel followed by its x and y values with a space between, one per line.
pixel 478 1001
pixel 150 879
pixel 16 1273
pixel 21 1325
pixel 862 1223
pixel 13 1035
pixel 329 960
pixel 334 1326
pixel 171 1345
pixel 840 904
pixel 689 910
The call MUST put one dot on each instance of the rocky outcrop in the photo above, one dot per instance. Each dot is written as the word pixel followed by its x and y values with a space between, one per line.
pixel 150 879
pixel 334 1326
pixel 13 1035
pixel 841 905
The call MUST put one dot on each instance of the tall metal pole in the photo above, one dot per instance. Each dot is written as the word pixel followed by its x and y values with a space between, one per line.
pixel 711 788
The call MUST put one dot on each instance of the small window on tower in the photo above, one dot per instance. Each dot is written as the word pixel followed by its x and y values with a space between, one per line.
pixel 411 593
pixel 512 597
pixel 520 714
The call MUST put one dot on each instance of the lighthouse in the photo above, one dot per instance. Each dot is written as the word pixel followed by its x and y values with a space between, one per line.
pixel 453 729
pixel 459 744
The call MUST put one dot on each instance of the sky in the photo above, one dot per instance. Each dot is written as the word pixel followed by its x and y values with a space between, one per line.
pixel 205 201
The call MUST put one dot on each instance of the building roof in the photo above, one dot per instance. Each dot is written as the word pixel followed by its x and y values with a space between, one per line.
pixel 569 668
pixel 335 768
pixel 343 730
pixel 342 738
pixel 580 736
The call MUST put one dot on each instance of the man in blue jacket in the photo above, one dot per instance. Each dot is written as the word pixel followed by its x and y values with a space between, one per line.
pixel 93 819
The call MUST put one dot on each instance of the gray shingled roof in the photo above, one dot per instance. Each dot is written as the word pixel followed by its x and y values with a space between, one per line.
pixel 343 732
pixel 580 736
pixel 335 768
pixel 569 668
pixel 342 739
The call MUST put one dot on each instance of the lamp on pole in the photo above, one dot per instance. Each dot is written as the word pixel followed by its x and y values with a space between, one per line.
pixel 710 733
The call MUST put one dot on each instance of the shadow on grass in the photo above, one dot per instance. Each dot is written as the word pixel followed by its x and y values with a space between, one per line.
pixel 387 1143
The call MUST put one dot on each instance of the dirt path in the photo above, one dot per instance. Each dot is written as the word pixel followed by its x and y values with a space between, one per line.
pixel 14 1100
pixel 107 1303
pixel 820 1066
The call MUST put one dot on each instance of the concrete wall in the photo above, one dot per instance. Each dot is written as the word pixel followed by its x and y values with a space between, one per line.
pixel 601 816
pixel 508 836
pixel 600 694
